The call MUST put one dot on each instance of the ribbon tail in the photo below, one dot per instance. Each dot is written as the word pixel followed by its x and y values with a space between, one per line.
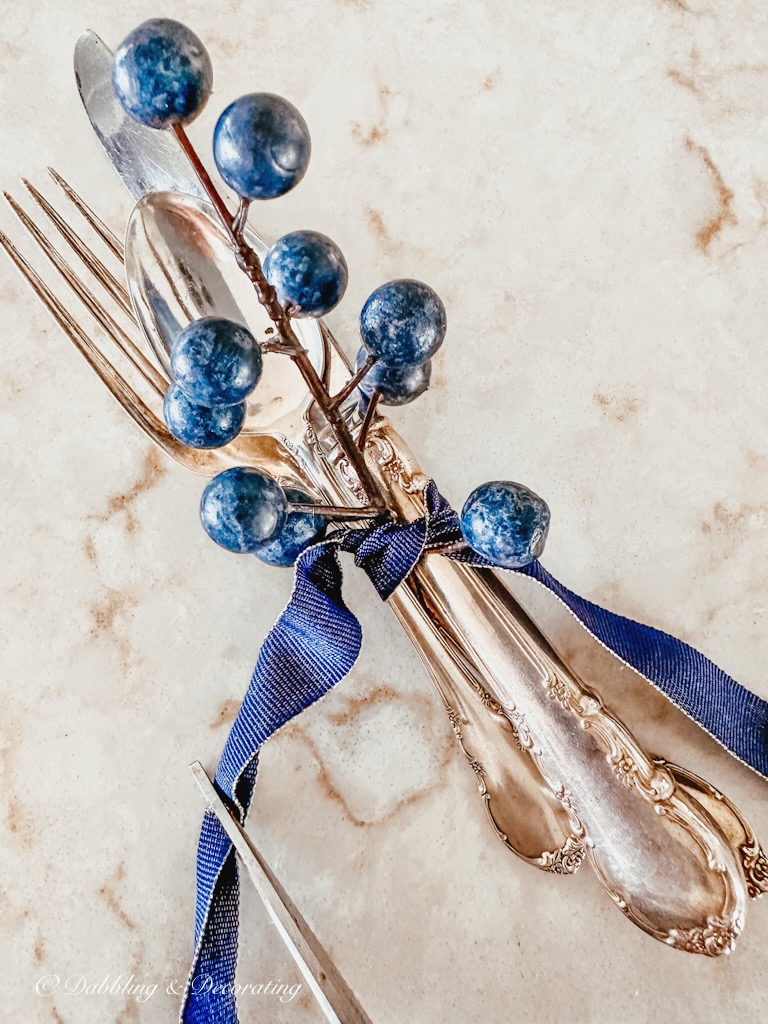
pixel 728 711
pixel 315 643
pixel 311 647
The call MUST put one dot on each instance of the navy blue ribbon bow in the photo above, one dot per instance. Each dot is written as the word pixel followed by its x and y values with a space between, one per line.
pixel 315 643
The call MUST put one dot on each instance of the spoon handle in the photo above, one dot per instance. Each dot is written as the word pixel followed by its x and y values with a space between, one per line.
pixel 663 858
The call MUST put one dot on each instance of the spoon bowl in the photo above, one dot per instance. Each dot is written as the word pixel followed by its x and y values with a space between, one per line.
pixel 180 268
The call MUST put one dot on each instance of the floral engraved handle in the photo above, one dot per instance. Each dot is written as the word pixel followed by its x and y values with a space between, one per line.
pixel 666 861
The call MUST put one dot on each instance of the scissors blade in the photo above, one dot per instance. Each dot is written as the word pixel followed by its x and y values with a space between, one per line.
pixel 334 996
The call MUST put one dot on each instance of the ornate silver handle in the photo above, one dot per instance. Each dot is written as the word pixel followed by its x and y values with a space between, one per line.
pixel 522 809
pixel 676 868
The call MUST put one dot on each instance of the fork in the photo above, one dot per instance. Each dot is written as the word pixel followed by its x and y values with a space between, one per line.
pixel 145 405
pixel 519 806
pixel 550 835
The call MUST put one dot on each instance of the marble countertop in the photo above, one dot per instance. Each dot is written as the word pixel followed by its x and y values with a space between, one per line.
pixel 586 185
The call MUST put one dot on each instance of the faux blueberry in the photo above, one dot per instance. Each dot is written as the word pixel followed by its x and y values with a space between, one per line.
pixel 197 426
pixel 299 531
pixel 243 509
pixel 397 385
pixel 162 74
pixel 506 523
pixel 308 271
pixel 216 362
pixel 261 146
pixel 403 322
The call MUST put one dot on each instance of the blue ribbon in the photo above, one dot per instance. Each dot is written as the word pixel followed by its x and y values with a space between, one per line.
pixel 315 643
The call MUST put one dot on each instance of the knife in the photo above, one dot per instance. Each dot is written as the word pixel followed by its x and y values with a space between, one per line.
pixel 148 160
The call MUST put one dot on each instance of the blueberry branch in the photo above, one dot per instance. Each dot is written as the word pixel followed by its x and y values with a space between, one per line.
pixel 289 343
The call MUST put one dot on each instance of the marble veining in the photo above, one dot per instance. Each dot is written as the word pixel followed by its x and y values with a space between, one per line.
pixel 586 187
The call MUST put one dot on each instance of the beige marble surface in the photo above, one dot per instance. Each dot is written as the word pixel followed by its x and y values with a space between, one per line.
pixel 586 184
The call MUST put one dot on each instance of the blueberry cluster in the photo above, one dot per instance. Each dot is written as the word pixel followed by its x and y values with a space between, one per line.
pixel 247 511
pixel 215 363
pixel 402 326
pixel 163 77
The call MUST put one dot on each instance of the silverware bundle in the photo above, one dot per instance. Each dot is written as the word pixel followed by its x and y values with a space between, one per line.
pixel 563 780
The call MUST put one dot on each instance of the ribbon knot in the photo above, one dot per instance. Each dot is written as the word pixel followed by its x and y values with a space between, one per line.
pixel 315 643
pixel 389 552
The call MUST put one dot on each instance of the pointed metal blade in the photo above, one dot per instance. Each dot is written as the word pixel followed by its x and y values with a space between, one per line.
pixel 146 159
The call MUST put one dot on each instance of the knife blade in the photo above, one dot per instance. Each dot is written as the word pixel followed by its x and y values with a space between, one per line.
pixel 146 159
pixel 152 160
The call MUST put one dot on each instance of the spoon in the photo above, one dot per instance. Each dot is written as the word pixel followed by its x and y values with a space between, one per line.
pixel 666 861
pixel 179 267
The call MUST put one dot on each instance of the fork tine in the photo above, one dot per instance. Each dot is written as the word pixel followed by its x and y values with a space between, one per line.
pixel 108 237
pixel 118 387
pixel 115 287
pixel 125 343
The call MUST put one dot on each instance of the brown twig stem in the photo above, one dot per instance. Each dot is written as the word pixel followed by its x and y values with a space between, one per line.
pixel 250 263
pixel 205 180
pixel 370 412
pixel 240 218
pixel 352 383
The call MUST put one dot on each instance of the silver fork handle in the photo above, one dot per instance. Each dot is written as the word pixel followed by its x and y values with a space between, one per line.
pixel 521 808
